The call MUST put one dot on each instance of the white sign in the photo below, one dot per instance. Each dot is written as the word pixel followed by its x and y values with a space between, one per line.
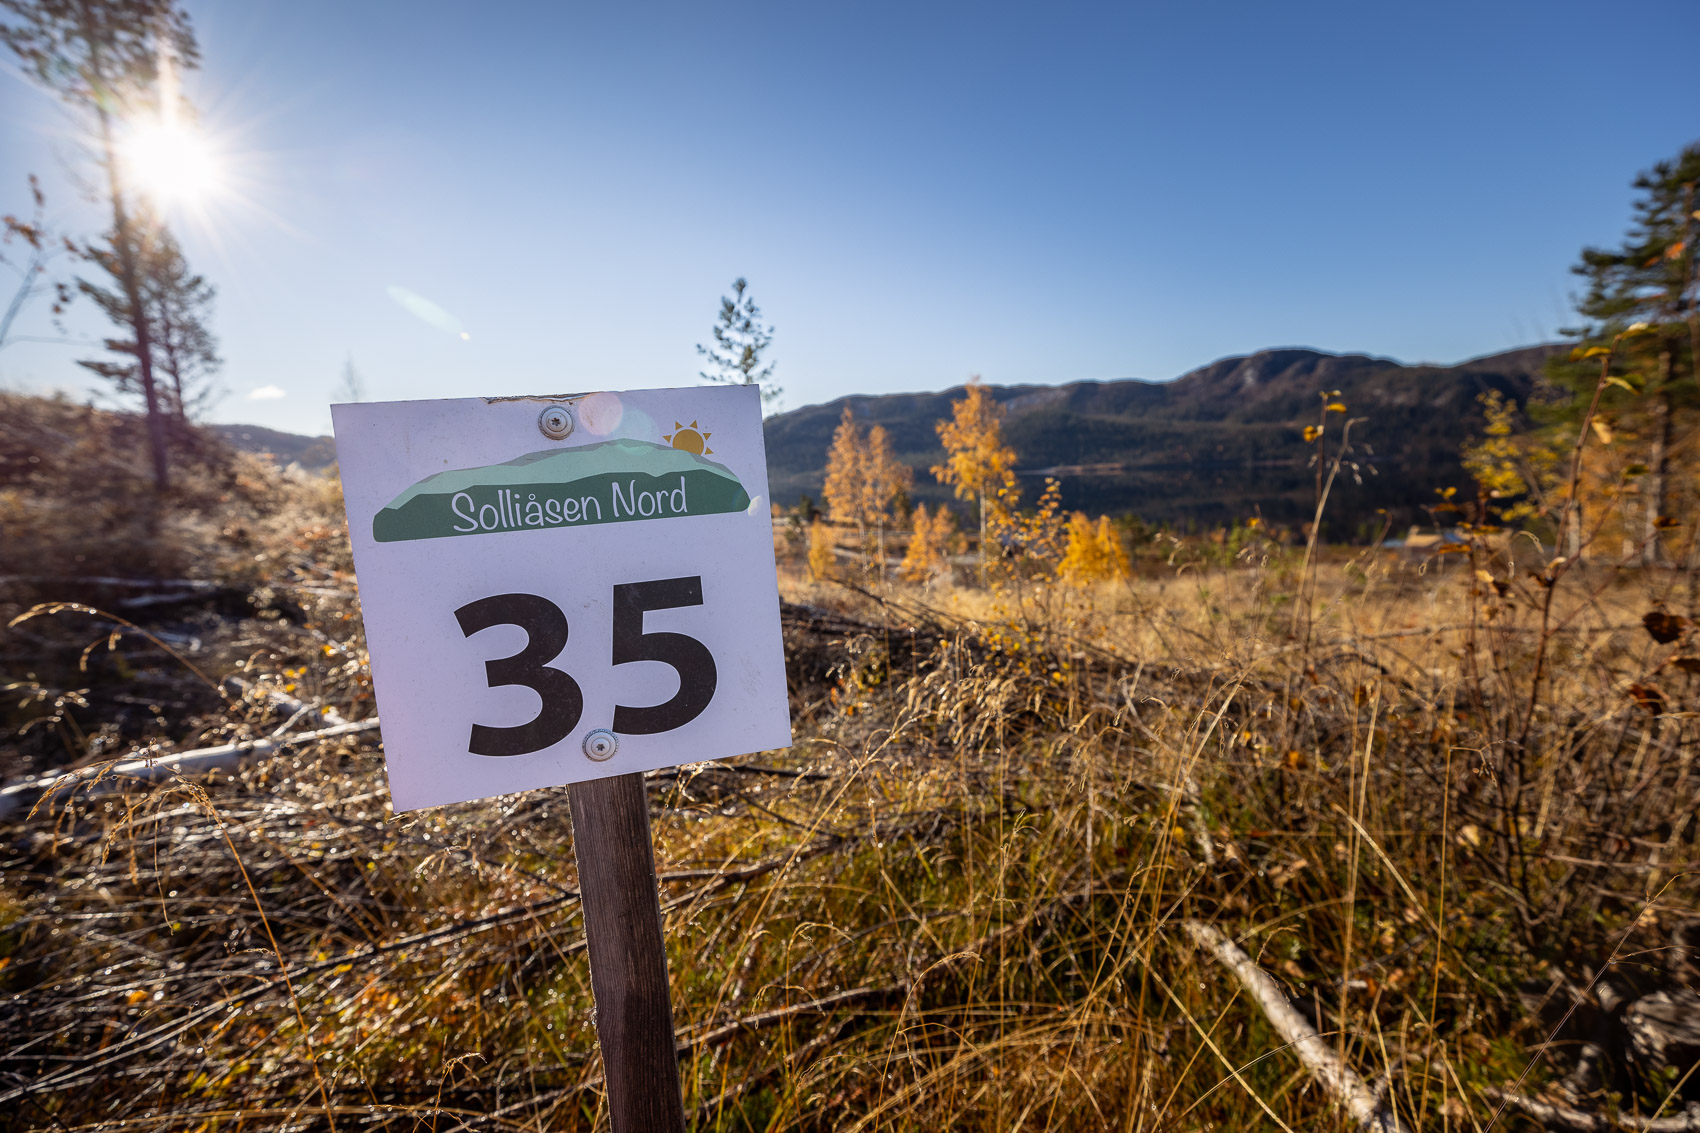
pixel 558 589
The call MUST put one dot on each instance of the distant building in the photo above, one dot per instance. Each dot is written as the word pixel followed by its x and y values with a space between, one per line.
pixel 1419 544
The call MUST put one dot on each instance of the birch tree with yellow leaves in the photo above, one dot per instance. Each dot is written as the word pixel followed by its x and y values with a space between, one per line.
pixel 1095 553
pixel 927 557
pixel 823 556
pixel 864 481
pixel 885 481
pixel 843 489
pixel 978 465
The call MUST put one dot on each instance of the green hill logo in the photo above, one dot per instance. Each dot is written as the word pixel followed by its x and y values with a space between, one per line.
pixel 612 482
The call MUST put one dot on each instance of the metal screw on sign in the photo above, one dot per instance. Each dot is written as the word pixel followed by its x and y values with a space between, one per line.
pixel 556 423
pixel 601 744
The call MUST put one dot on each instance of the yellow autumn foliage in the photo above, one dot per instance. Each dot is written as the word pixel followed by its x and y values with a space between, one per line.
pixel 1520 470
pixel 978 465
pixel 843 490
pixel 929 546
pixel 823 560
pixel 864 478
pixel 1095 553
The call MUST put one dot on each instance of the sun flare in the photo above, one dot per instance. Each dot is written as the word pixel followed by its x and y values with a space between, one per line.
pixel 171 163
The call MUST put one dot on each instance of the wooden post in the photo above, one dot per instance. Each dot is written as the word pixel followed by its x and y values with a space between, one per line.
pixel 628 957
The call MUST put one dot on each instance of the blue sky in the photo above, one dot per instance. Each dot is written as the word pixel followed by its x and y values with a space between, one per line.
pixel 916 193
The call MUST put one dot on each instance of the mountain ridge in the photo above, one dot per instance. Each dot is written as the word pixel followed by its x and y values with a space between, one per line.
pixel 1219 443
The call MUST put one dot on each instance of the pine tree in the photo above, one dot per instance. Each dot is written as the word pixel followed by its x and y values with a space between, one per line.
pixel 978 465
pixel 184 353
pixel 1652 278
pixel 740 338
pixel 185 350
pixel 103 57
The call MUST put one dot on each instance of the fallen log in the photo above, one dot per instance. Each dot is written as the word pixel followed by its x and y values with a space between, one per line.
pixel 1339 1080
pixel 149 769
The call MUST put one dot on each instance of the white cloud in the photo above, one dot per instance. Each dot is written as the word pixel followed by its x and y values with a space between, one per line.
pixel 266 393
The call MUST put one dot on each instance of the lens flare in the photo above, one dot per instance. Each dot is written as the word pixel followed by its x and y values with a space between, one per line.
pixel 426 311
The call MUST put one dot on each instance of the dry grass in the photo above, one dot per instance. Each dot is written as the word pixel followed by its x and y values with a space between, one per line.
pixel 955 903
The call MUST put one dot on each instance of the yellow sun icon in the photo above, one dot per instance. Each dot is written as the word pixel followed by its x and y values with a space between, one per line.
pixel 690 438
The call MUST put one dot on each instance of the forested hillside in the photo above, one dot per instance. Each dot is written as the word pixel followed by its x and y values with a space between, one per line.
pixel 283 449
pixel 1209 447
pixel 1216 445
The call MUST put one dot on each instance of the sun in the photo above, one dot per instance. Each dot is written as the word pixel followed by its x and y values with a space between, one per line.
pixel 171 163
pixel 690 438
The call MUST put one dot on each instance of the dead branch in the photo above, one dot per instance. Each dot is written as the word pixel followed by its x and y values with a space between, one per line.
pixel 1340 1080
pixel 779 1014
pixel 1557 1116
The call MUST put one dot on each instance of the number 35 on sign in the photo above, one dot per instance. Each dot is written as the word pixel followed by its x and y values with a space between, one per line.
pixel 564 588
